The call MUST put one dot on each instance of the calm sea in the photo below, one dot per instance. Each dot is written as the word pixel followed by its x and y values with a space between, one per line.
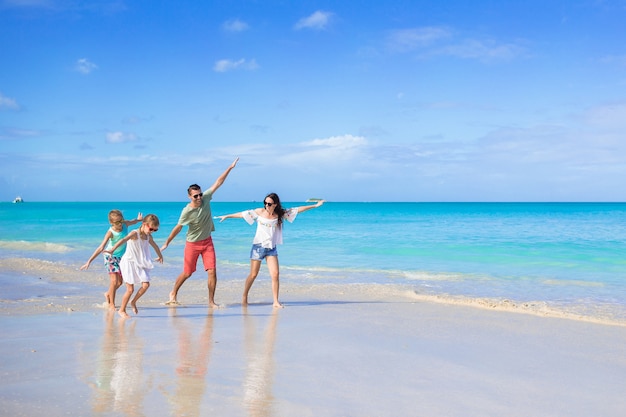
pixel 565 255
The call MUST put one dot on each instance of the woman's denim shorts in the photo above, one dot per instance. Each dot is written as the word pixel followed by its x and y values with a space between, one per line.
pixel 258 252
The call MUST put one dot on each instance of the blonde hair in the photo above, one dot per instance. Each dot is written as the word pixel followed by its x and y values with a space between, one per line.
pixel 151 219
pixel 115 216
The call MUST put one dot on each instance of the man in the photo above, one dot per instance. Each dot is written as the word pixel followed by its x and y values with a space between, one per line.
pixel 197 216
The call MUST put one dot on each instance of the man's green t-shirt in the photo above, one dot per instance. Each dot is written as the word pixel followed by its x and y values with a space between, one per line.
pixel 199 220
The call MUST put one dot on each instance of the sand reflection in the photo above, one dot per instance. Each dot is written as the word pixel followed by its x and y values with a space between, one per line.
pixel 103 393
pixel 120 384
pixel 193 362
pixel 257 386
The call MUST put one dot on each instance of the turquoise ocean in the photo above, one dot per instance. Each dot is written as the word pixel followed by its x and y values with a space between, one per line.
pixel 569 257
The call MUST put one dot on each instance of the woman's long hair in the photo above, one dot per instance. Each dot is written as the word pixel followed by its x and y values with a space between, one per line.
pixel 279 210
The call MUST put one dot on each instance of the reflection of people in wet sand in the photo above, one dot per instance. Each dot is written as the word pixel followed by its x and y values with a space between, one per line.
pixel 193 356
pixel 257 386
pixel 103 393
pixel 127 379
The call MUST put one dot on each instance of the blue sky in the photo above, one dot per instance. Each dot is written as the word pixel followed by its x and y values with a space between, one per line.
pixel 350 101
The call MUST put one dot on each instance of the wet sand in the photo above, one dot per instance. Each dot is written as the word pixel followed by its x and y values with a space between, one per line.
pixel 340 351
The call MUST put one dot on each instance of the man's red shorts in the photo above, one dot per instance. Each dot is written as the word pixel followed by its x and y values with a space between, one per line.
pixel 202 248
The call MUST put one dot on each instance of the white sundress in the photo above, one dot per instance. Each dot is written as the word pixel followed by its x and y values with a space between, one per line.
pixel 137 261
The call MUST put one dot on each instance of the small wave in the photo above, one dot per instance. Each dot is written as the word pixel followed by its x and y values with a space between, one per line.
pixel 571 282
pixel 34 246
pixel 55 271
pixel 601 315
pixel 432 276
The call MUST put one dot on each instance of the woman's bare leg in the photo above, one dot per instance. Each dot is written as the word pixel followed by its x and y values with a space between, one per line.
pixel 254 271
pixel 272 266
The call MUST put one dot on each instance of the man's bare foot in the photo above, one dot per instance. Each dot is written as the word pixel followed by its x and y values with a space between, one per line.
pixel 172 300
pixel 134 306
pixel 123 314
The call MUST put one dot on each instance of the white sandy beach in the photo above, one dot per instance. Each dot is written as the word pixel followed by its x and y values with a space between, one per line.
pixel 332 351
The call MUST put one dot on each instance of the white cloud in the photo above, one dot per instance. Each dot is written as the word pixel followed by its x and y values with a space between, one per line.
pixel 131 120
pixel 334 154
pixel 225 65
pixel 84 66
pixel 404 40
pixel 16 134
pixel 7 103
pixel 609 116
pixel 486 50
pixel 318 21
pixel 543 162
pixel 235 25
pixel 326 153
pixel 339 142
pixel 440 40
pixel 120 137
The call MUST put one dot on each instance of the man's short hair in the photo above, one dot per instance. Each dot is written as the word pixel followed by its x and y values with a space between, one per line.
pixel 193 187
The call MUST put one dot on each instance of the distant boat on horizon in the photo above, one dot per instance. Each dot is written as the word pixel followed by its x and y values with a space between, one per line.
pixel 18 199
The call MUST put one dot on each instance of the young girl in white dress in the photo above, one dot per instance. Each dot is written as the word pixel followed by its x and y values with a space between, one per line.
pixel 136 262
pixel 269 233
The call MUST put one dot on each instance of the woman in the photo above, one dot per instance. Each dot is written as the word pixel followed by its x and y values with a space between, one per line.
pixel 269 233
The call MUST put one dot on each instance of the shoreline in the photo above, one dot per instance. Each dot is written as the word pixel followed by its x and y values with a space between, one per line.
pixel 57 288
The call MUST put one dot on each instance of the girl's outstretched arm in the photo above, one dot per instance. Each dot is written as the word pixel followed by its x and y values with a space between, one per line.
pixel 175 231
pixel 135 221
pixel 156 249
pixel 98 250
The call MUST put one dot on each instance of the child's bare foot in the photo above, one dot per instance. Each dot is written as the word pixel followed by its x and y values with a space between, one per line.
pixel 134 308
pixel 213 305
pixel 278 305
pixel 123 314
pixel 106 298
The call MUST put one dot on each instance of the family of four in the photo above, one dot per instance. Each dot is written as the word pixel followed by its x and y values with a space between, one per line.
pixel 127 255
